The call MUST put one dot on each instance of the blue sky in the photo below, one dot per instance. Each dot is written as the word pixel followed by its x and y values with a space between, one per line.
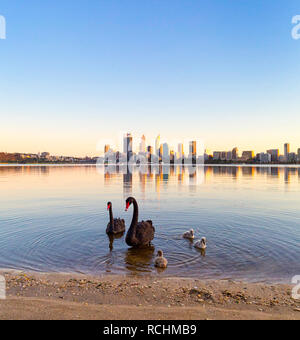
pixel 74 73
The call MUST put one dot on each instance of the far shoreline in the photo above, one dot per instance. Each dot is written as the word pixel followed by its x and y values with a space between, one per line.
pixel 150 164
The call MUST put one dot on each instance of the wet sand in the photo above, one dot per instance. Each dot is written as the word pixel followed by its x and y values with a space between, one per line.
pixel 69 296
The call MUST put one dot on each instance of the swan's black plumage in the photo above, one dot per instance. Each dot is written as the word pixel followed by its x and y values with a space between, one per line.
pixel 139 233
pixel 115 226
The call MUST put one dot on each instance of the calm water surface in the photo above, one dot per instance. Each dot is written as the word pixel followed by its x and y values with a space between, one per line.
pixel 54 219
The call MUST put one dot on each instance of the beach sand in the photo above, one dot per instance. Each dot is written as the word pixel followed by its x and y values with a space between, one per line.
pixel 72 296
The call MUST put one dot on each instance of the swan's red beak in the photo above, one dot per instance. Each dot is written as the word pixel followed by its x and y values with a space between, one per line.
pixel 108 206
pixel 127 206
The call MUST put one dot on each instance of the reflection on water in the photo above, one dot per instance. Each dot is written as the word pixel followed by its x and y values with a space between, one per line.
pixel 54 219
pixel 139 260
pixel 112 238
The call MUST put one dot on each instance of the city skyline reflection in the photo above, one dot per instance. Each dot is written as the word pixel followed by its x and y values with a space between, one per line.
pixel 193 175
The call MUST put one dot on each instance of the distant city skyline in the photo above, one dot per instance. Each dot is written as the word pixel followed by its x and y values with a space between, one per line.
pixel 192 151
pixel 135 145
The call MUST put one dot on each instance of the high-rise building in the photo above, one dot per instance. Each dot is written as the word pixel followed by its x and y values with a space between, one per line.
pixel 160 152
pixel 172 157
pixel 193 152
pixel 298 155
pixel 274 154
pixel 150 153
pixel 106 148
pixel 180 150
pixel 143 144
pixel 127 147
pixel 157 146
pixel 166 153
pixel 193 148
pixel 235 154
pixel 286 151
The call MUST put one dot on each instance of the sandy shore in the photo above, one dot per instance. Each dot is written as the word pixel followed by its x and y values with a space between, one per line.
pixel 66 296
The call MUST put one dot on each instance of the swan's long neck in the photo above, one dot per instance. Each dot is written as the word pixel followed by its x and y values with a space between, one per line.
pixel 111 216
pixel 135 215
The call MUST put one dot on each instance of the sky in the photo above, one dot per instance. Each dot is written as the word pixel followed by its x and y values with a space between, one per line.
pixel 76 74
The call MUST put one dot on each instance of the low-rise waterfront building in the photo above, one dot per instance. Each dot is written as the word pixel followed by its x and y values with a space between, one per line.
pixel 247 155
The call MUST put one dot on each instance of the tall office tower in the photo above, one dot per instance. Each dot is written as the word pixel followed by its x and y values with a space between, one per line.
pixel 298 158
pixel 157 145
pixel 235 153
pixel 106 148
pixel 193 148
pixel 180 151
pixel 286 151
pixel 172 156
pixel 150 153
pixel 274 154
pixel 143 144
pixel 193 151
pixel 166 152
pixel 127 147
pixel 150 149
pixel 160 152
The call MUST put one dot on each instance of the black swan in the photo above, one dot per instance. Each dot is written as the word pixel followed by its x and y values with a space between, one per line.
pixel 115 226
pixel 139 233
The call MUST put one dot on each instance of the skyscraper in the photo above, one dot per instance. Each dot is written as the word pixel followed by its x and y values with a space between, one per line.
pixel 106 148
pixel 157 145
pixel 274 154
pixel 172 156
pixel 143 144
pixel 150 153
pixel 235 154
pixel 160 152
pixel 180 150
pixel 166 153
pixel 150 149
pixel 286 151
pixel 127 147
pixel 193 148
pixel 193 151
